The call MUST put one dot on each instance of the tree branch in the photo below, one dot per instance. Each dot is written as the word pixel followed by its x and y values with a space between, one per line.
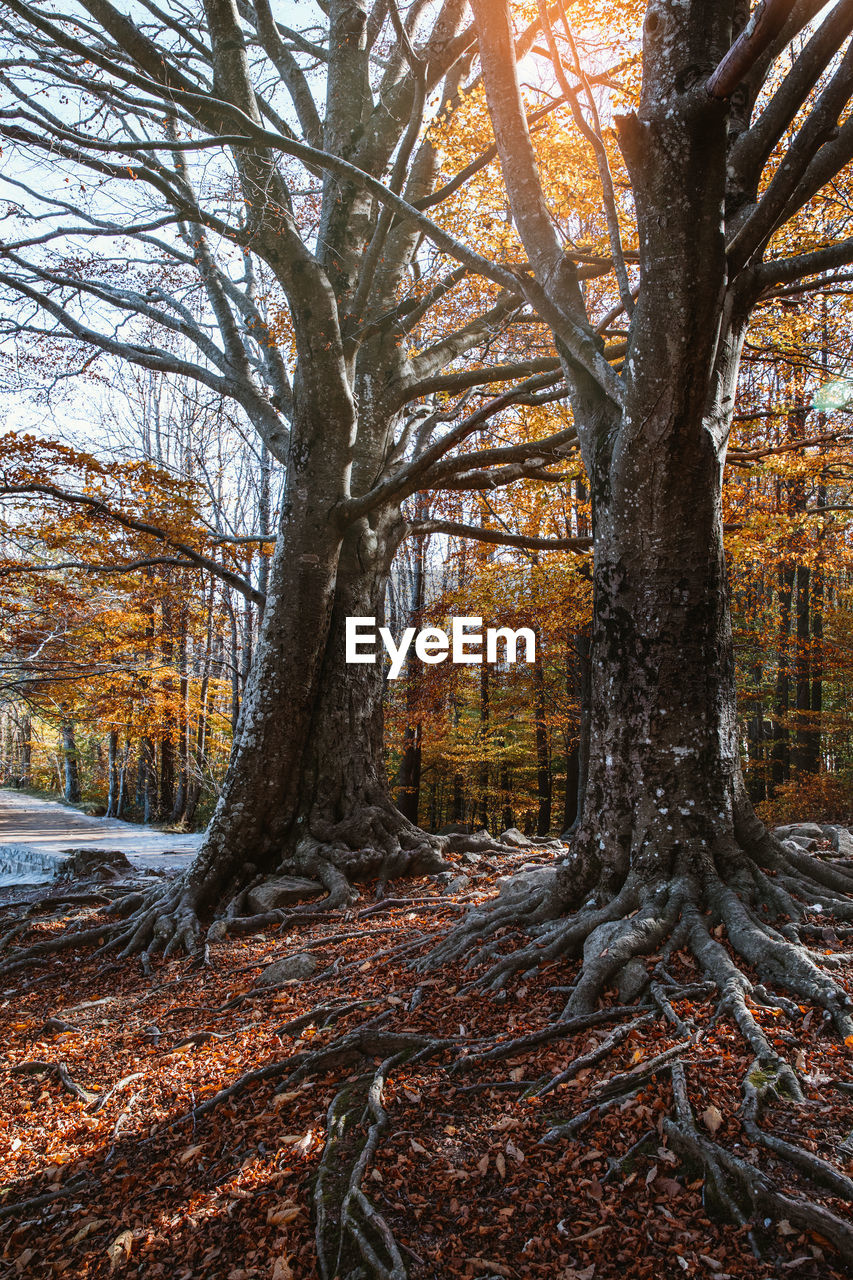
pixel 784 270
pixel 498 538
pixel 99 508
pixel 763 27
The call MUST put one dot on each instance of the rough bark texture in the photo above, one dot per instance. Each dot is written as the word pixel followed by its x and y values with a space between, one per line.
pixel 669 852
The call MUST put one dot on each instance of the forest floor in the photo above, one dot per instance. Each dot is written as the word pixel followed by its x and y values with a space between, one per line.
pixel 117 1158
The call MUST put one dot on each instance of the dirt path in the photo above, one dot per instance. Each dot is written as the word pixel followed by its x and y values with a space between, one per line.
pixel 35 834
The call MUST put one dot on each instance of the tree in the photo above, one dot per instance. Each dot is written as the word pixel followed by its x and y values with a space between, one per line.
pixel 309 287
pixel 723 150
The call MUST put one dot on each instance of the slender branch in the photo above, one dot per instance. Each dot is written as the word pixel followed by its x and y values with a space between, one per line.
pixel 495 536
pixel 819 127
pixel 481 377
pixel 752 149
pixel 592 133
pixel 407 479
pixel 100 509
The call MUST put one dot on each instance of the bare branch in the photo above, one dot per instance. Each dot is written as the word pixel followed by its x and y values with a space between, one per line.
pixel 764 26
pixel 497 537
pixel 100 509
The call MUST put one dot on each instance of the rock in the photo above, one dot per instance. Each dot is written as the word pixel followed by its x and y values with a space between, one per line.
pixel 471 858
pixel 457 883
pixel 281 892
pixel 292 968
pixel 808 830
pixel 473 842
pixel 781 833
pixel 514 838
pixel 842 842
pixel 541 881
pixel 631 980
pixel 95 862
pixel 455 829
pixel 803 842
pixel 792 845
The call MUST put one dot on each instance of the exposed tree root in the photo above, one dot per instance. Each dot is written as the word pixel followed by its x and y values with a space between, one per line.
pixel 743 910
pixel 350 1232
pixel 738 1184
pixel 376 842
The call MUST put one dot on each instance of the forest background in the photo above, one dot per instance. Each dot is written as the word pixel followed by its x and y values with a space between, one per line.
pixel 138 507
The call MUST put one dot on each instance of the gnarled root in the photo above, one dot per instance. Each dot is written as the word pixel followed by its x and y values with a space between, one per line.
pixel 376 842
pixel 349 1230
pixel 739 1186
pixel 738 914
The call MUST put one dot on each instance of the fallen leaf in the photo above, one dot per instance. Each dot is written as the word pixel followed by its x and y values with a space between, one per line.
pixel 120 1249
pixel 87 1228
pixel 513 1151
pixel 493 1268
pixel 483 1164
pixel 282 1269
pixel 278 1217
pixel 190 1153
pixel 501 1164
pixel 712 1118
pixel 417 1148
pixel 280 1098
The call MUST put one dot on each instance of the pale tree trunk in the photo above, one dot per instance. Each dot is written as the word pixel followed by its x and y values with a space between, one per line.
pixel 70 763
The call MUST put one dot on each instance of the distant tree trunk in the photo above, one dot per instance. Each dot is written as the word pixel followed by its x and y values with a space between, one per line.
pixel 485 717
pixel 543 747
pixel 802 670
pixel 166 788
pixel 409 775
pixel 507 817
pixel 146 787
pixel 781 733
pixel 112 774
pixel 183 725
pixel 121 803
pixel 26 751
pixel 71 762
pixel 580 765
pixel 814 739
pixel 458 804
pixel 570 797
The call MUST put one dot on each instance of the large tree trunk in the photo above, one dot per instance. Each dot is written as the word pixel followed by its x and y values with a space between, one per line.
pixel 663 769
pixel 307 790
pixel 346 815
pixel 669 847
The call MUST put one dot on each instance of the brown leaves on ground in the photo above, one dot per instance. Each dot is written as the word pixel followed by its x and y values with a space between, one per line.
pixel 126 1185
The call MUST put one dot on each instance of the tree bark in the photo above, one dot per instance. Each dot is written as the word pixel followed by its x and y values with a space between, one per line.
pixel 781 758
pixel 112 774
pixel 664 765
pixel 543 747
pixel 71 763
